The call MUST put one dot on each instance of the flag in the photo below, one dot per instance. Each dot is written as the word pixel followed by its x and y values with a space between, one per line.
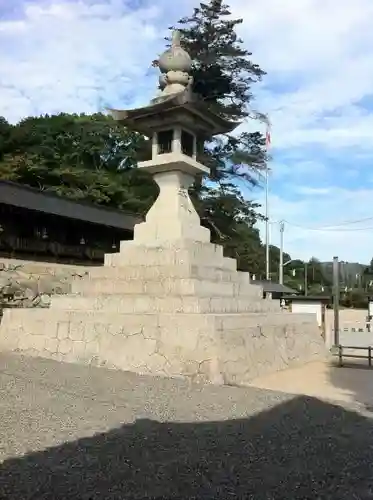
pixel 268 136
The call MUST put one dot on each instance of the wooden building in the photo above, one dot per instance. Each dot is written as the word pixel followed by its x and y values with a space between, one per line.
pixel 310 304
pixel 36 225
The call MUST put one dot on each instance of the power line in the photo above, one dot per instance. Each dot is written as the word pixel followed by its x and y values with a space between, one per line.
pixel 333 227
pixel 329 229
pixel 351 222
pixel 342 230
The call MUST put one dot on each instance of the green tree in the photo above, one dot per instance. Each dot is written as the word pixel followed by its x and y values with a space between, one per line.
pixel 223 77
pixel 300 273
pixel 5 131
pixel 274 254
pixel 87 157
pixel 367 277
pixel 355 298
pixel 231 220
pixel 317 279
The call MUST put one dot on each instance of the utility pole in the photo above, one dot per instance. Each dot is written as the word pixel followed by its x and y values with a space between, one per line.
pixel 281 265
pixel 336 299
pixel 306 278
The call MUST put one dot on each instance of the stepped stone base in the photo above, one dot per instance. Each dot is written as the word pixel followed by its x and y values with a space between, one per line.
pixel 179 310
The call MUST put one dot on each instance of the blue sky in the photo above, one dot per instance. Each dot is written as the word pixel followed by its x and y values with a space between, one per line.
pixel 80 56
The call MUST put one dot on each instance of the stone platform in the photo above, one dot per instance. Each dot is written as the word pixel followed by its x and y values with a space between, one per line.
pixel 180 310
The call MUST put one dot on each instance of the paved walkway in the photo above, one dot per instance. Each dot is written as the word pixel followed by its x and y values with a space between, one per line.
pixel 349 384
pixel 71 432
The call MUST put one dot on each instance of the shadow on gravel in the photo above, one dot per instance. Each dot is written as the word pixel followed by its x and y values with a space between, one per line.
pixel 355 377
pixel 302 449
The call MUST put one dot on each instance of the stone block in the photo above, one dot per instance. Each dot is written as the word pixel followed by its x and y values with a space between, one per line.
pixel 63 330
pixel 192 253
pixel 65 346
pixel 146 303
pixel 51 345
pixel 95 330
pixel 77 354
pixel 76 331
pixel 125 352
pixel 164 286
pixel 148 272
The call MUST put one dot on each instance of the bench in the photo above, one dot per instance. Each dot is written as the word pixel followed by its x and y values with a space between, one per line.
pixel 340 352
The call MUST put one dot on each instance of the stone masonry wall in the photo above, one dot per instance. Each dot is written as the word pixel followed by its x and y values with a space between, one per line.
pixel 26 283
pixel 200 347
pixel 41 269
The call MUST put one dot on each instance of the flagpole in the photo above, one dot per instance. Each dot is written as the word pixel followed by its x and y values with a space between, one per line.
pixel 268 142
pixel 267 223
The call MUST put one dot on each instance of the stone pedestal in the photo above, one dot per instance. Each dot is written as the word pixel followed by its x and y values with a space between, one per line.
pixel 173 217
pixel 167 305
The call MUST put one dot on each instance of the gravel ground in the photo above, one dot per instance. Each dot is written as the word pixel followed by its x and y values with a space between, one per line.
pixel 71 432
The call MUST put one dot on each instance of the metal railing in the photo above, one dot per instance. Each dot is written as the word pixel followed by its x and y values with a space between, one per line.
pixel 340 352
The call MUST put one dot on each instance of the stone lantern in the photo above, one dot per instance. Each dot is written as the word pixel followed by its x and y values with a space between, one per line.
pixel 178 123
pixel 169 302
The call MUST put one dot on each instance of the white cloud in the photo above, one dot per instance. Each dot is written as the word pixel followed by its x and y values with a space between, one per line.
pixel 325 50
pixel 69 56
pixel 311 191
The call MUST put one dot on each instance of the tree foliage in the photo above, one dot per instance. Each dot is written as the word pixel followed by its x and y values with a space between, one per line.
pixel 83 157
pixel 224 74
